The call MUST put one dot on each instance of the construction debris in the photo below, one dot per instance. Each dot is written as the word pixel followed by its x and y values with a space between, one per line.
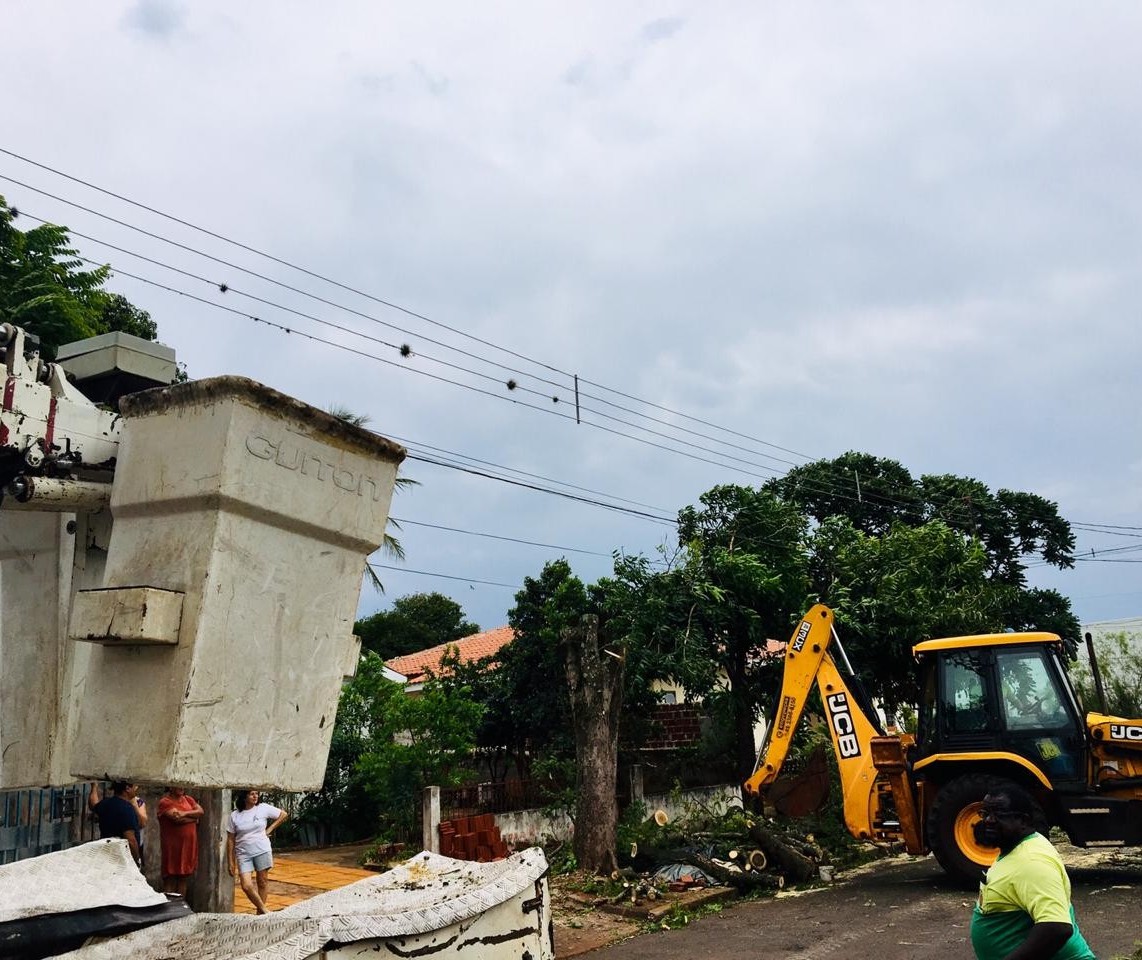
pixel 733 847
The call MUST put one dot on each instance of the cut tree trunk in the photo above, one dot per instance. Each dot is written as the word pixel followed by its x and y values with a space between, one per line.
pixel 753 880
pixel 782 856
pixel 595 680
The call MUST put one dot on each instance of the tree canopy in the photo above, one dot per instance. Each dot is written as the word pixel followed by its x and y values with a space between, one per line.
pixel 46 288
pixel 415 622
pixel 875 494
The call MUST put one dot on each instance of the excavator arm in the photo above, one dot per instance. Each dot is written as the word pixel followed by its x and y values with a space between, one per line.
pixel 851 720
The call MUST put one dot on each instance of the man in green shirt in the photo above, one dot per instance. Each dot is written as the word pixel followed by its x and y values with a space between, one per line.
pixel 1024 909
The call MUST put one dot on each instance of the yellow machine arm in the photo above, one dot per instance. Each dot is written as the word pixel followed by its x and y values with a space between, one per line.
pixel 809 660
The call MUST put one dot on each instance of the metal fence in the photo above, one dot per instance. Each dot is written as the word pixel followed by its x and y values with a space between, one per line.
pixel 499 797
pixel 43 820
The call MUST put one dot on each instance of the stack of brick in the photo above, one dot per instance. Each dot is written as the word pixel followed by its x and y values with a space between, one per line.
pixel 472 838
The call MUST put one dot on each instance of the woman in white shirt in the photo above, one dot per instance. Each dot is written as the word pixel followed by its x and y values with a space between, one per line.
pixel 248 844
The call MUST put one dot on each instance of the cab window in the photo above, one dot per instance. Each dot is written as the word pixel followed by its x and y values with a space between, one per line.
pixel 926 715
pixel 1029 693
pixel 964 693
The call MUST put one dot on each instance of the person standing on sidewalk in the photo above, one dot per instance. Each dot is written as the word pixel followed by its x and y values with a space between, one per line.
pixel 1024 910
pixel 118 816
pixel 248 844
pixel 179 814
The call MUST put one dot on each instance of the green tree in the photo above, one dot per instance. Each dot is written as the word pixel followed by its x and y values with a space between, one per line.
pixel 535 660
pixel 528 729
pixel 872 492
pixel 744 581
pixel 877 497
pixel 900 560
pixel 387 746
pixel 1120 662
pixel 894 590
pixel 415 622
pixel 416 741
pixel 875 494
pixel 45 289
pixel 120 314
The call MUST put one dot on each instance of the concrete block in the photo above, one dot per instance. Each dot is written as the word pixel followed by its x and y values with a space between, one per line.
pixel 118 352
pixel 261 510
pixel 126 615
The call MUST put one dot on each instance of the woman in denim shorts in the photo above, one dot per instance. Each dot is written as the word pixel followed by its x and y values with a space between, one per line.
pixel 248 844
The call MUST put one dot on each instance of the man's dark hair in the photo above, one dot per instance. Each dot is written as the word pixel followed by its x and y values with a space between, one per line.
pixel 119 786
pixel 1018 799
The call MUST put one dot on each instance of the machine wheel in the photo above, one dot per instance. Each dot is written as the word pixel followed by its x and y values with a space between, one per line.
pixel 951 820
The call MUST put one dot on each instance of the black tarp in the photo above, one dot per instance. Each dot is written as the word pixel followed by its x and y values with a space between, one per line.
pixel 49 935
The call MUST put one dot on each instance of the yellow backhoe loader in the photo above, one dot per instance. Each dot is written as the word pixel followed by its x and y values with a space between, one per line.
pixel 993 708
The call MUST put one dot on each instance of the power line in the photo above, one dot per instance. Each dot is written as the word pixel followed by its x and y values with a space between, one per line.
pixel 340 346
pixel 386 303
pixel 706 423
pixel 444 576
pixel 496 536
pixel 226 289
pixel 531 486
pixel 833 491
pixel 442 379
pixel 282 262
pixel 221 261
pixel 1091 554
pixel 523 473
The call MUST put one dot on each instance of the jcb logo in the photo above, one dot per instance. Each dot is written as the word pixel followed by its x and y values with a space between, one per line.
pixel 1120 731
pixel 802 634
pixel 842 720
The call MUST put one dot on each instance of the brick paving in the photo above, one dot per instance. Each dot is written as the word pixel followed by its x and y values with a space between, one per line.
pixel 293 879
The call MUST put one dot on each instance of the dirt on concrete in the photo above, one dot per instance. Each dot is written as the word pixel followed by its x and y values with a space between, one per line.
pixel 582 925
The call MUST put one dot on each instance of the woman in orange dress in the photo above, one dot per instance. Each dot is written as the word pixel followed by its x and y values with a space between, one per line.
pixel 178 834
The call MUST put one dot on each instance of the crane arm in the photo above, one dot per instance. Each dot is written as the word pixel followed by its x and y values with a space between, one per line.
pixel 803 656
pixel 851 721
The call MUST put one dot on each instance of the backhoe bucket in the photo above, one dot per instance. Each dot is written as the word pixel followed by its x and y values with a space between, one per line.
pixel 800 794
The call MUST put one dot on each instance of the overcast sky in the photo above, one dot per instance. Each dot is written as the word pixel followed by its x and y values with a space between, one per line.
pixel 908 229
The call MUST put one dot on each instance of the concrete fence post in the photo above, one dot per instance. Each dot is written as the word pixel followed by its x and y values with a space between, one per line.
pixel 211 888
pixel 430 819
pixel 636 791
pixel 152 847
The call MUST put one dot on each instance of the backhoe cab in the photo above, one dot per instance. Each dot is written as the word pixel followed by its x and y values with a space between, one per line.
pixel 994 708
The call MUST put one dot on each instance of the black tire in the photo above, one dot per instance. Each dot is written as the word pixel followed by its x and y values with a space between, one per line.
pixel 965 862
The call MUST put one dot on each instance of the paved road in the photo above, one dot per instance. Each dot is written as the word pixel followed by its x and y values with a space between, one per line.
pixel 898 910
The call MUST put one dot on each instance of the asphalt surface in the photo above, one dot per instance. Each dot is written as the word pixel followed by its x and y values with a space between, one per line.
pixel 895 910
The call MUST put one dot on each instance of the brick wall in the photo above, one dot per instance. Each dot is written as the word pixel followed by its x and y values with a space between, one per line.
pixel 675 725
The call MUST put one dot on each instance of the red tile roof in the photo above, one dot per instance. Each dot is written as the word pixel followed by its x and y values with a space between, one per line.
pixel 415 666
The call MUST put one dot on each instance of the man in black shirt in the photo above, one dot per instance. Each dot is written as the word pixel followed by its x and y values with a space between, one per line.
pixel 118 816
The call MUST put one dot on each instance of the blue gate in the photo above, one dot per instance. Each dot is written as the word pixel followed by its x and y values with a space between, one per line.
pixel 40 821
